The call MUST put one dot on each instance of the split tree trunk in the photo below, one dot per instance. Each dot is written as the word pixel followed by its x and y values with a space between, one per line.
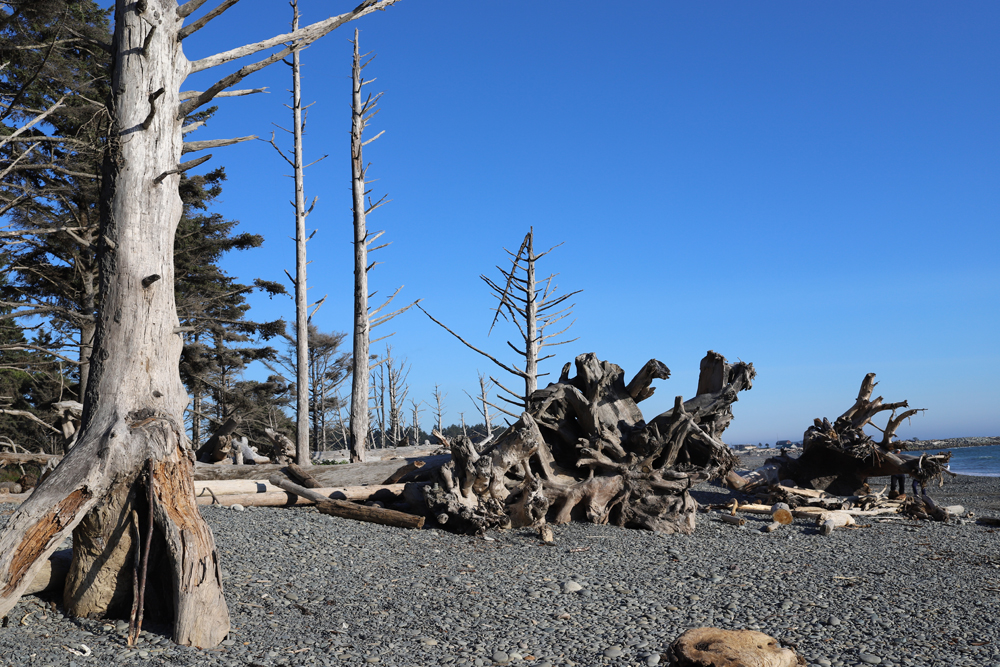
pixel 134 404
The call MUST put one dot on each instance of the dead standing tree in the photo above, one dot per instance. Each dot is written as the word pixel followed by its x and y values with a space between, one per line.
pixel 582 451
pixel 132 445
pixel 364 321
pixel 532 306
pixel 300 281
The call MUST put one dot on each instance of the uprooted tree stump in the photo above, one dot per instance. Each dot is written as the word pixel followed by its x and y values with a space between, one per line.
pixel 839 457
pixel 582 451
pixel 714 647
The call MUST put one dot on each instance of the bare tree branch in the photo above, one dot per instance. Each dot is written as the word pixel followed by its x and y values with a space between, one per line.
pixel 189 30
pixel 192 146
pixel 301 37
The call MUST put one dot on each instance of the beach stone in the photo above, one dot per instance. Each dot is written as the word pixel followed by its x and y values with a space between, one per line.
pixel 571 587
pixel 870 659
pixel 613 652
pixel 500 656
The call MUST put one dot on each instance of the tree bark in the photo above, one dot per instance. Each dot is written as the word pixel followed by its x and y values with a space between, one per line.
pixel 135 400
pixel 359 386
pixel 301 298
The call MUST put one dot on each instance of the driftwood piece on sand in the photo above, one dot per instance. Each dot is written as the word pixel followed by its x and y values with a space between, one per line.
pixel 8 458
pixel 582 451
pixel 348 474
pixel 714 647
pixel 278 497
pixel 348 510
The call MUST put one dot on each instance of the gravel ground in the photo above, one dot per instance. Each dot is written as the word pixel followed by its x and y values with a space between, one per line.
pixel 309 589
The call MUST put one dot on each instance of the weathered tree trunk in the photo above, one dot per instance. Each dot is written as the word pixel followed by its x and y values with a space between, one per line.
pixel 301 297
pixel 359 387
pixel 135 400
pixel 582 451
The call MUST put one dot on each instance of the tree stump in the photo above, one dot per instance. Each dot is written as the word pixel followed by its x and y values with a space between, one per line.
pixel 714 647
pixel 582 451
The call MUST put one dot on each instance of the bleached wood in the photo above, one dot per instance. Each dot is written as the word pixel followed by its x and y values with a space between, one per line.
pixel 362 325
pixel 192 146
pixel 192 94
pixel 189 30
pixel 301 37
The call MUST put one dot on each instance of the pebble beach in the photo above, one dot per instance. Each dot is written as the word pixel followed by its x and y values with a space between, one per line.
pixel 309 589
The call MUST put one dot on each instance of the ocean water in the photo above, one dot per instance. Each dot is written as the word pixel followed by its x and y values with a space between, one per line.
pixel 979 461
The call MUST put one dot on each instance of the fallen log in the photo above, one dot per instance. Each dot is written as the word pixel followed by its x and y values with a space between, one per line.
pixel 278 497
pixel 348 474
pixel 730 519
pixel 348 510
pixel 7 458
pixel 839 457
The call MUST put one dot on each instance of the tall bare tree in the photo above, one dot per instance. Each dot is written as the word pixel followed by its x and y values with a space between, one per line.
pixel 531 305
pixel 415 411
pixel 439 397
pixel 362 111
pixel 483 404
pixel 300 281
pixel 132 453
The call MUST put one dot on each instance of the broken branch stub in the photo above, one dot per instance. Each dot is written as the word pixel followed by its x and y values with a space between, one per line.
pixel 582 451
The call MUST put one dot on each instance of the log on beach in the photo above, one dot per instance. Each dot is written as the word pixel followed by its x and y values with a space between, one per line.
pixel 349 510
pixel 277 497
pixel 348 474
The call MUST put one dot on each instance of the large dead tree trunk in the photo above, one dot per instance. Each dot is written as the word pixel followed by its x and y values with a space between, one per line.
pixel 132 438
pixel 839 457
pixel 583 452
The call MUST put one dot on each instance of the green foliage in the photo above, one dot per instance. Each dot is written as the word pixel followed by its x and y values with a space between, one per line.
pixel 212 304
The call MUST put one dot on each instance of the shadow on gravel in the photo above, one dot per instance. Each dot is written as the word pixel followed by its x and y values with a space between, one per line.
pixel 711 496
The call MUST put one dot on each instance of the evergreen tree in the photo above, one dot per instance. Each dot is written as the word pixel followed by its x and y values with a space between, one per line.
pixel 212 307
pixel 53 54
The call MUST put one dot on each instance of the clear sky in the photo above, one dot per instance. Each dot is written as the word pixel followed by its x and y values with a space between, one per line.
pixel 813 187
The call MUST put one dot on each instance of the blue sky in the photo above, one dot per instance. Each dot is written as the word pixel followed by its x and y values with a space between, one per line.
pixel 812 187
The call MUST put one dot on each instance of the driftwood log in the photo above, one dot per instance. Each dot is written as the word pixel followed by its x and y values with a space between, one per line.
pixel 839 457
pixel 348 474
pixel 582 451
pixel 348 510
pixel 714 647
